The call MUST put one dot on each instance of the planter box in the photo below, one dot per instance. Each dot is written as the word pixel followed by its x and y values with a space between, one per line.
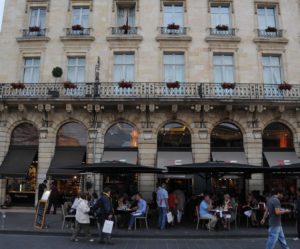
pixel 222 28
pixel 17 85
pixel 173 26
pixel 69 85
pixel 285 86
pixel 173 85
pixel 124 84
pixel 228 85
pixel 77 27
pixel 271 29
pixel 34 29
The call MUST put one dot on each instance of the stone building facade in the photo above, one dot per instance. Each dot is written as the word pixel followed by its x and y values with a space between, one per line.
pixel 254 45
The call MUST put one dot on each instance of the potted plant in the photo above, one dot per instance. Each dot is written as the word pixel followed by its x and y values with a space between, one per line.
pixel 173 26
pixel 228 85
pixel 69 85
pixel 34 29
pixel 285 86
pixel 77 27
pixel 125 84
pixel 18 85
pixel 222 27
pixel 175 84
pixel 271 29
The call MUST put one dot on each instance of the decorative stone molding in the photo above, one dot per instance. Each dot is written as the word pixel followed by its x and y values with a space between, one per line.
pixel 21 108
pixel 43 133
pixel 174 108
pixel 120 108
pixel 229 108
pixel 37 3
pixel 162 2
pixel 169 41
pixel 69 108
pixel 152 107
pixel 3 107
pixel 222 39
pixel 281 108
pixel 125 2
pixel 203 133
pixel 121 41
pixel 72 3
pixel 206 108
pixel 257 133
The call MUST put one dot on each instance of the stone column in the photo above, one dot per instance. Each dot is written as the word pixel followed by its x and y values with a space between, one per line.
pixel 3 151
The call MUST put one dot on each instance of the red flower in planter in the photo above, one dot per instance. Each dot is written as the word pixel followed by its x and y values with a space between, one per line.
pixel 175 84
pixel 285 86
pixel 125 84
pixel 222 27
pixel 228 85
pixel 173 26
pixel 18 85
pixel 34 29
pixel 69 85
pixel 77 27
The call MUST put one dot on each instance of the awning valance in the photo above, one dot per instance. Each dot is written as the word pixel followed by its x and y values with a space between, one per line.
pixel 167 158
pixel 122 156
pixel 230 156
pixel 281 158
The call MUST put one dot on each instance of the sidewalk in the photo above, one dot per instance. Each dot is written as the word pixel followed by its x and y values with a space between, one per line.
pixel 20 221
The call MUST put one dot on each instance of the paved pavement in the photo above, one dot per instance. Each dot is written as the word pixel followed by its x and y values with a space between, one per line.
pixel 50 242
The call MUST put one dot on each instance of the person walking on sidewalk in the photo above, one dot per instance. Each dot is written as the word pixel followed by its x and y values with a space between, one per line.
pixel 162 203
pixel 82 219
pixel 298 214
pixel 275 228
pixel 53 198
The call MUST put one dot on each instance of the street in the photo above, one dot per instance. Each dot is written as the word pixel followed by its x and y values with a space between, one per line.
pixel 45 242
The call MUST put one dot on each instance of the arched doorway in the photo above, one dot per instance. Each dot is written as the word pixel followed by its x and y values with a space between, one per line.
pixel 278 150
pixel 21 164
pixel 227 145
pixel 174 147
pixel 121 144
pixel 70 150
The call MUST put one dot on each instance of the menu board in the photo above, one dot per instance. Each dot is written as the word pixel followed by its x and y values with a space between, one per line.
pixel 40 214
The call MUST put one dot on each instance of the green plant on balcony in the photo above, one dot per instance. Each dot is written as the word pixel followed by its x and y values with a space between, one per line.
pixel 222 27
pixel 285 86
pixel 77 27
pixel 271 29
pixel 172 85
pixel 69 85
pixel 226 85
pixel 34 29
pixel 173 26
pixel 18 85
pixel 125 84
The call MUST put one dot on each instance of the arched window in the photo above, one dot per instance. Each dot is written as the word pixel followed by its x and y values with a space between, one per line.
pixel 25 134
pixel 72 134
pixel 174 135
pixel 226 135
pixel 277 136
pixel 121 136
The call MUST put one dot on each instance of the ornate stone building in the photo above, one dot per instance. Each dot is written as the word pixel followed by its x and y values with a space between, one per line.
pixel 155 82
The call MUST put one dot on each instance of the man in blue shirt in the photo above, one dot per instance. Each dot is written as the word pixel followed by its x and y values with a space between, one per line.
pixel 162 203
pixel 205 207
pixel 139 211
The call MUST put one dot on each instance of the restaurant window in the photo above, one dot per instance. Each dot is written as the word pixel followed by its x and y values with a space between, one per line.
pixel 123 67
pixel 272 69
pixel 31 72
pixel 72 134
pixel 223 68
pixel 173 13
pixel 37 17
pixel 76 69
pixel 277 136
pixel 80 16
pixel 174 67
pixel 220 15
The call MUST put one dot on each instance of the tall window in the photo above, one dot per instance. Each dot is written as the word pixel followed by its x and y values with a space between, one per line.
pixel 220 15
pixel 80 15
pixel 173 13
pixel 266 17
pixel 76 69
pixel 277 135
pixel 126 16
pixel 37 17
pixel 31 70
pixel 272 69
pixel 223 68
pixel 174 67
pixel 123 67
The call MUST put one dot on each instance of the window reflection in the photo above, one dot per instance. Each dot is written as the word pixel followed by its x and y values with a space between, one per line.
pixel 72 134
pixel 277 135
pixel 25 134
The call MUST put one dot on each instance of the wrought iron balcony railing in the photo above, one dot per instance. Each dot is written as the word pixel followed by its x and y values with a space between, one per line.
pixel 151 90
pixel 173 31
pixel 124 30
pixel 270 34
pixel 34 32
pixel 223 33
pixel 78 32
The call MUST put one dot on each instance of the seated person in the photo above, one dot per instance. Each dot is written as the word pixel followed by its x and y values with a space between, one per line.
pixel 205 207
pixel 139 210
pixel 250 211
pixel 229 209
pixel 7 202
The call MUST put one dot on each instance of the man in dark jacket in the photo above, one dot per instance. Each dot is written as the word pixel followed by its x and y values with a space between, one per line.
pixel 298 214
pixel 53 198
pixel 104 211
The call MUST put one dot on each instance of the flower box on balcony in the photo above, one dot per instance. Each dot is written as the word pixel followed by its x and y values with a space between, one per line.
pixel 228 85
pixel 77 27
pixel 173 26
pixel 173 84
pixel 271 29
pixel 285 86
pixel 69 85
pixel 34 29
pixel 125 84
pixel 17 85
pixel 222 28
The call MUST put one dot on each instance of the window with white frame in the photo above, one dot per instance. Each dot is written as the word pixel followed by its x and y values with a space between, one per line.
pixel 37 17
pixel 266 17
pixel 123 67
pixel 173 13
pixel 76 69
pixel 223 68
pixel 220 15
pixel 174 67
pixel 80 16
pixel 126 16
pixel 31 72
pixel 272 69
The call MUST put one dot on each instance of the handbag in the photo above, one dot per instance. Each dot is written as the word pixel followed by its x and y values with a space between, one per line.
pixel 170 217
pixel 108 226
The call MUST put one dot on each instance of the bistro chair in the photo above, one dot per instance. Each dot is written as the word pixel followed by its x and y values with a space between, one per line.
pixel 145 218
pixel 70 218
pixel 201 220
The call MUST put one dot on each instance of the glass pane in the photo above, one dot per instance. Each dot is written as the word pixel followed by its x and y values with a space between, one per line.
pixel 267 75
pixel 168 59
pixel 36 61
pixel 262 21
pixel 71 61
pixel 178 19
pixel 118 58
pixel 225 19
pixel 217 60
pixel 121 17
pixel 28 62
pixel 129 59
pixel 118 73
pixel 25 134
pixel 277 135
pixel 72 134
pixel 179 73
pixel 80 74
pixel 275 61
pixel 218 78
pixel 129 73
pixel 168 73
pixel 81 61
pixel 179 59
pixel 214 20
pixel 35 75
pixel 228 74
pixel 276 75
pixel 228 60
pixel 27 75
pixel 72 74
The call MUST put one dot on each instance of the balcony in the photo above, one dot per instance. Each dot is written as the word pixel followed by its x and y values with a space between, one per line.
pixel 78 32
pixel 124 30
pixel 173 31
pixel 172 35
pixel 109 91
pixel 33 34
pixel 277 33
pixel 271 35
pixel 222 35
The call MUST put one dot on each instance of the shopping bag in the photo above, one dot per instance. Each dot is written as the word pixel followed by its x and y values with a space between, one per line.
pixel 169 217
pixel 108 226
pixel 179 216
pixel 248 213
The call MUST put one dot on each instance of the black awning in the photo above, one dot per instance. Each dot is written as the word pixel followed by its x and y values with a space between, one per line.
pixel 63 158
pixel 17 161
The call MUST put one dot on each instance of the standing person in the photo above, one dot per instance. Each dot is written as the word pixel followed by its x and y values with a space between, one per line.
pixel 275 228
pixel 139 210
pixel 104 211
pixel 205 208
pixel 180 197
pixel 41 190
pixel 82 219
pixel 53 198
pixel 162 203
pixel 172 203
pixel 298 214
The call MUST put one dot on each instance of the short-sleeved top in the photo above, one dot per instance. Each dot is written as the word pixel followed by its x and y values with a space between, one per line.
pixel 162 197
pixel 274 219
pixel 203 208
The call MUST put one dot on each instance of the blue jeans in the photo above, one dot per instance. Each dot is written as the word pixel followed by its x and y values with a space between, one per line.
pixel 276 233
pixel 132 219
pixel 162 219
